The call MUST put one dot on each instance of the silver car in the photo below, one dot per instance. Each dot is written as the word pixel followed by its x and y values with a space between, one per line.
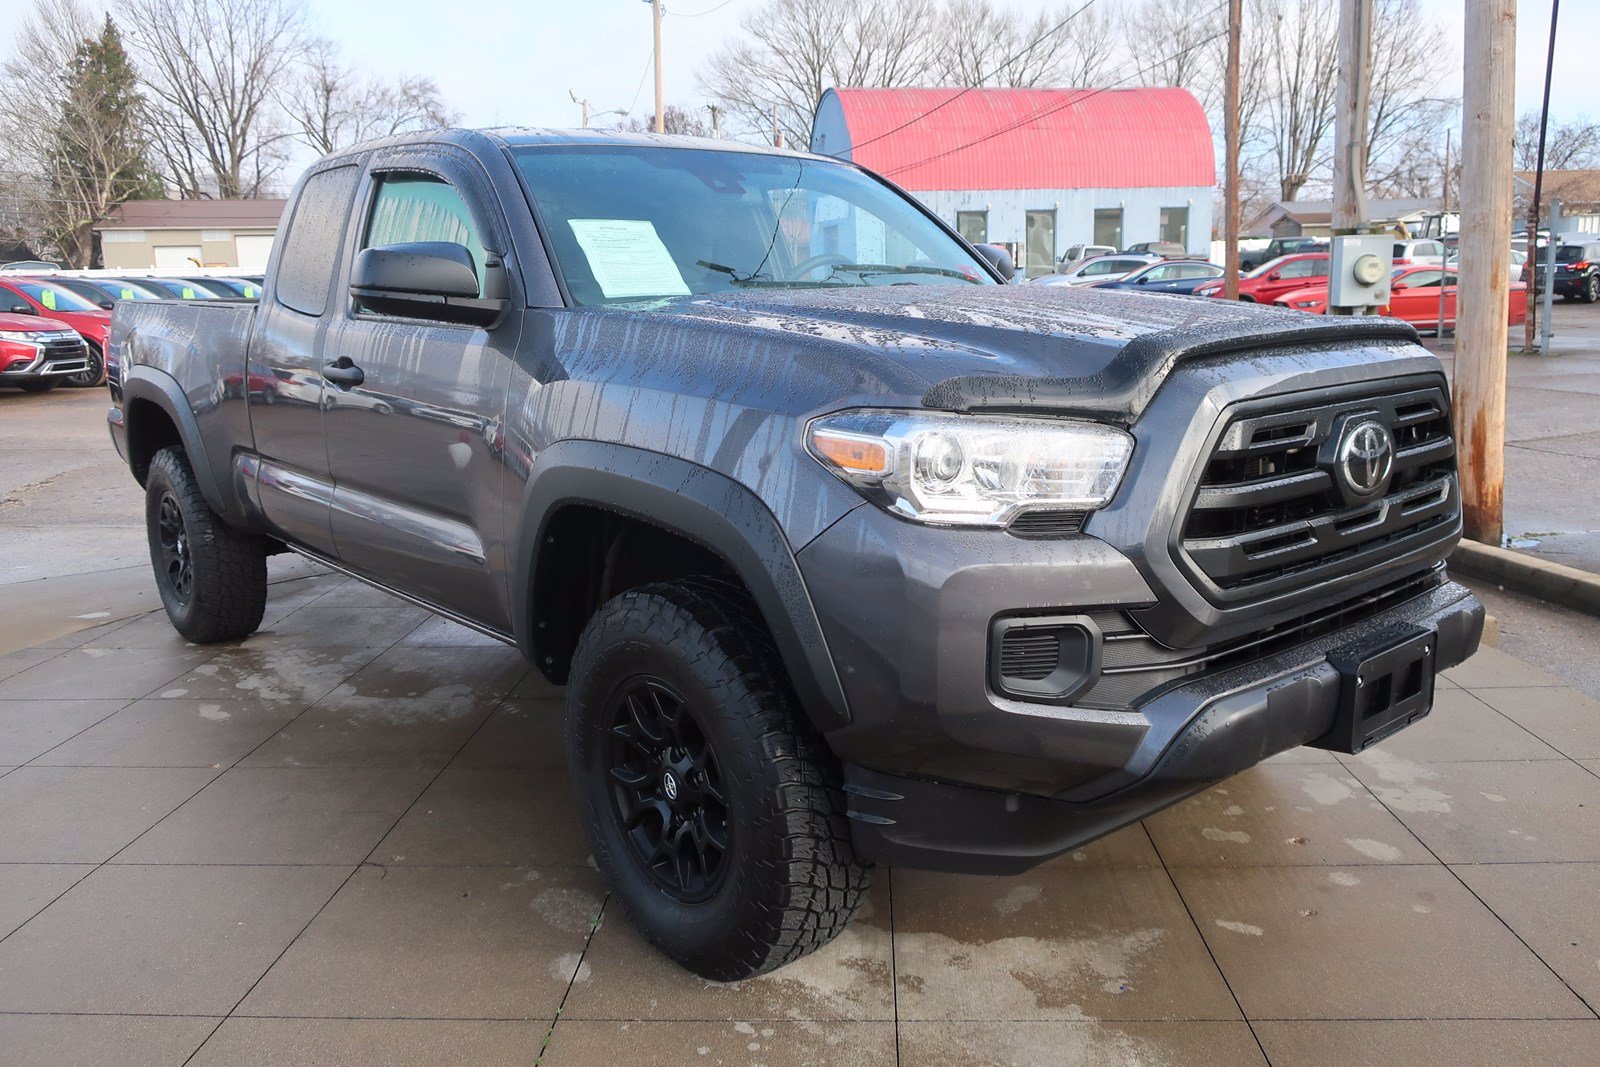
pixel 1098 269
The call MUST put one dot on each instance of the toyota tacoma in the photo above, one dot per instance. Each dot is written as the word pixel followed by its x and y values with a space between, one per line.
pixel 845 552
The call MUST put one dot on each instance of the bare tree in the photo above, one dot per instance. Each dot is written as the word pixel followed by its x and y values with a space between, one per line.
pixel 212 70
pixel 330 106
pixel 1298 107
pixel 794 49
pixel 1406 107
pixel 675 119
pixel 986 45
pixel 63 176
pixel 1568 145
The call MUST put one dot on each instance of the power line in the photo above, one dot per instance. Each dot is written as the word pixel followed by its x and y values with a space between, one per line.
pixel 697 14
pixel 1044 112
pixel 1030 46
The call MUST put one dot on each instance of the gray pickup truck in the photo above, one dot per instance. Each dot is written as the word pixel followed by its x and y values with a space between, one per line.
pixel 845 551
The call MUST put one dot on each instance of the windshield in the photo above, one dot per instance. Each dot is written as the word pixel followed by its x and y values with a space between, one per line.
pixel 634 225
pixel 55 297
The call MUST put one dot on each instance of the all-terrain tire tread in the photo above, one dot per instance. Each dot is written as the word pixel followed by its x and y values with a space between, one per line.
pixel 230 568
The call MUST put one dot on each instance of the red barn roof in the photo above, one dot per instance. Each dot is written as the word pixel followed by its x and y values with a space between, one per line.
pixel 929 139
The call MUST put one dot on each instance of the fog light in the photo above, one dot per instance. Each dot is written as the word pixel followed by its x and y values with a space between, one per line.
pixel 1047 659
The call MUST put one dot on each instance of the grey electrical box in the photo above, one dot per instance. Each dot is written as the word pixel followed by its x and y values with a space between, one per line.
pixel 1359 266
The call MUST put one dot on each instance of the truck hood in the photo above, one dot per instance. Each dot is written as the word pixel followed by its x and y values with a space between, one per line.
pixel 1092 352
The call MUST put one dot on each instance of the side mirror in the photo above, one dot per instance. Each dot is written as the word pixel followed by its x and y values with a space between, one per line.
pixel 1394 286
pixel 423 280
pixel 1275 276
pixel 1144 279
pixel 999 259
pixel 22 309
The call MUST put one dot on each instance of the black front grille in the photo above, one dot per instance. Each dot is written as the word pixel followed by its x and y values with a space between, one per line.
pixel 65 348
pixel 1043 524
pixel 1270 512
pixel 1030 654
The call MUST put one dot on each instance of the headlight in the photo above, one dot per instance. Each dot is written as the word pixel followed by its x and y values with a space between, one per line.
pixel 1305 303
pixel 20 337
pixel 971 470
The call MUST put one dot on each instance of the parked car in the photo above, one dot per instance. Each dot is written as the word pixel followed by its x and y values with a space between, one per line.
pixel 229 288
pixel 1271 280
pixel 1515 260
pixel 1425 252
pixel 1577 272
pixel 104 292
pixel 1279 247
pixel 1076 254
pixel 24 295
pixel 1413 298
pixel 37 354
pixel 1164 249
pixel 827 544
pixel 1099 269
pixel 1176 276
pixel 179 288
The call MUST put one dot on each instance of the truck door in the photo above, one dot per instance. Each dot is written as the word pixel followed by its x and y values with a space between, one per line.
pixel 283 374
pixel 414 406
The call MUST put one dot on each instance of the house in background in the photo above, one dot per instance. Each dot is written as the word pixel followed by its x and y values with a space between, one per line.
pixel 1577 191
pixel 1036 169
pixel 1314 218
pixel 188 233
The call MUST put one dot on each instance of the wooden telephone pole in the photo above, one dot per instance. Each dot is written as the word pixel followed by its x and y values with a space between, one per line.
pixel 1230 125
pixel 661 100
pixel 1350 125
pixel 1487 121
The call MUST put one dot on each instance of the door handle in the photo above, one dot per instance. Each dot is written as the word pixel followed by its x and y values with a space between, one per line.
pixel 342 372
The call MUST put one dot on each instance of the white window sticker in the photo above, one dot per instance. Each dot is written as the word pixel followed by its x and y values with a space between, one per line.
pixel 628 258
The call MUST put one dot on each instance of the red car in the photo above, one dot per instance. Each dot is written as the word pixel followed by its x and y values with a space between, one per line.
pixel 41 296
pixel 1274 278
pixel 37 354
pixel 1413 297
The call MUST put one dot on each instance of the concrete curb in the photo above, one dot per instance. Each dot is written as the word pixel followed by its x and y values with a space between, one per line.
pixel 1555 582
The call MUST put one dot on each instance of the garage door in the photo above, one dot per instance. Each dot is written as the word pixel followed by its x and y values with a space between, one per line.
pixel 253 252
pixel 177 256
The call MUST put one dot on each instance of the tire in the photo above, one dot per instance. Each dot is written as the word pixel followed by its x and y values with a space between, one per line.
pixel 41 385
pixel 212 578
pixel 96 374
pixel 1591 289
pixel 762 870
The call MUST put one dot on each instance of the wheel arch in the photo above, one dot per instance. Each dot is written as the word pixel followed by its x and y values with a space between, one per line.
pixel 157 415
pixel 683 500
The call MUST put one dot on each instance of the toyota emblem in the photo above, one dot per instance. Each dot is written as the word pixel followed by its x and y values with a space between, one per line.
pixel 1366 458
pixel 669 785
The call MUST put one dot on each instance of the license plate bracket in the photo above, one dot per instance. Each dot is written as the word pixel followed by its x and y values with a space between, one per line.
pixel 1386 685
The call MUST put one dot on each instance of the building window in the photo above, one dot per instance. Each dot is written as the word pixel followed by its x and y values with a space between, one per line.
pixel 1040 250
pixel 1108 226
pixel 122 237
pixel 1175 225
pixel 974 226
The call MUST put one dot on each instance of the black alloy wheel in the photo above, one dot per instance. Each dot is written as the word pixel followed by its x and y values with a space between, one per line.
pixel 667 790
pixel 177 568
pixel 94 374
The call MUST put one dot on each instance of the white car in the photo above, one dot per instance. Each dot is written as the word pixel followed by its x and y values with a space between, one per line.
pixel 1076 254
pixel 1421 253
pixel 1098 269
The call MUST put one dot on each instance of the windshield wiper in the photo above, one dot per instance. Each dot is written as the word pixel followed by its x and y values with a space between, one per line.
pixel 866 270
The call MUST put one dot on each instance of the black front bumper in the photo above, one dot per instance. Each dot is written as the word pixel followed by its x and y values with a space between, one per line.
pixel 1230 720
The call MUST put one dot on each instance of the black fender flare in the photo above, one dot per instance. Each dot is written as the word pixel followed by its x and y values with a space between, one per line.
pixel 696 503
pixel 142 382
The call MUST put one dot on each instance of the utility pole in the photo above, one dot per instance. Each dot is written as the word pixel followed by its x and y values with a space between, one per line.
pixel 716 119
pixel 584 104
pixel 1230 194
pixel 1488 118
pixel 1350 124
pixel 1444 212
pixel 777 131
pixel 1529 273
pixel 661 104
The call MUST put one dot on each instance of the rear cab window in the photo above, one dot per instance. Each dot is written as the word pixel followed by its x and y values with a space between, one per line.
pixel 311 248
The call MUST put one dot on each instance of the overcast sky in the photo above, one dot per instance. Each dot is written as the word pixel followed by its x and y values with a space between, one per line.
pixel 513 62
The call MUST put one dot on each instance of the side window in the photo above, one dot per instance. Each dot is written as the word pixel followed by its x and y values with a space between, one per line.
pixel 1319 268
pixel 311 248
pixel 1300 268
pixel 419 207
pixel 1424 279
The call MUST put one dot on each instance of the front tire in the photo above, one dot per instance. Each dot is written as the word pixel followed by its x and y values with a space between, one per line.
pixel 712 808
pixel 212 578
pixel 96 372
